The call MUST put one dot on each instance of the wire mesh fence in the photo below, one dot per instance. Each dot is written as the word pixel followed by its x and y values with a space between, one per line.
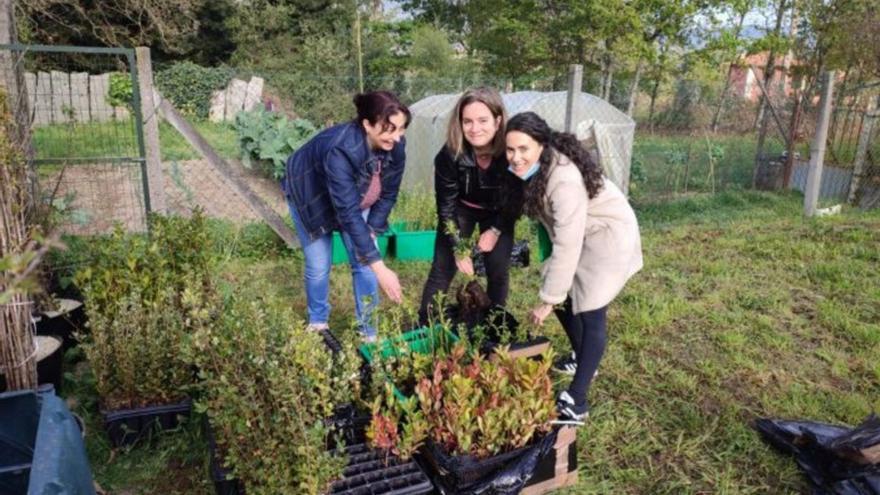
pixel 85 144
pixel 689 139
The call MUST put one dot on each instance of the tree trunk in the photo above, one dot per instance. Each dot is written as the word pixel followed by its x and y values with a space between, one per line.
pixel 653 100
pixel 717 115
pixel 792 140
pixel 634 89
pixel 853 197
pixel 609 77
pixel 769 72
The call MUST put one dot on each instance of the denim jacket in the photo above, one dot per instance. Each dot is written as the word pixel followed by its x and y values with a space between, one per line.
pixel 327 177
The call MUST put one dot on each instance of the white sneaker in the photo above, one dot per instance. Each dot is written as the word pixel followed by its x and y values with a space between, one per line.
pixel 317 327
pixel 569 413
pixel 566 366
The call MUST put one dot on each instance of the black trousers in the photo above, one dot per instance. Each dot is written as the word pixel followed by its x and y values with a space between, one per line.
pixel 443 267
pixel 587 333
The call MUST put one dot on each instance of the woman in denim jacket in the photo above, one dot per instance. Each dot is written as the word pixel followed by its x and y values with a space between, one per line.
pixel 347 178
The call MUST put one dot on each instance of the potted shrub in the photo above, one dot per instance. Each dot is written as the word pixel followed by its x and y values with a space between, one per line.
pixel 477 417
pixel 413 222
pixel 268 386
pixel 144 296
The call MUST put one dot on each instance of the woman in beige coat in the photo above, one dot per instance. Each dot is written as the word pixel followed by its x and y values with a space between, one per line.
pixel 596 244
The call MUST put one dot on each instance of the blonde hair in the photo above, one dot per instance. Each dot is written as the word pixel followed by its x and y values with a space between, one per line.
pixel 488 96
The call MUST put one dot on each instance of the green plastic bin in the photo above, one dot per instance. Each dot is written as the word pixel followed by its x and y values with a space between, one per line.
pixel 422 340
pixel 341 256
pixel 545 245
pixel 415 246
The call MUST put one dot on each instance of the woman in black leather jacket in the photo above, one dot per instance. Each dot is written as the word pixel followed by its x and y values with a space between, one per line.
pixel 474 190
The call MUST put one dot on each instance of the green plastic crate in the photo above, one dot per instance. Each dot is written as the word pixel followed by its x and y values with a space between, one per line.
pixel 421 341
pixel 415 246
pixel 341 256
pixel 545 246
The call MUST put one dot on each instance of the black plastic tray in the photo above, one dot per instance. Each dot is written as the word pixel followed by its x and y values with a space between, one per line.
pixel 369 472
pixel 331 341
pixel 127 426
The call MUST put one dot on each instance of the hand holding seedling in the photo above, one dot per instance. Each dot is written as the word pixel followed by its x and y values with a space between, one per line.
pixel 463 248
pixel 540 313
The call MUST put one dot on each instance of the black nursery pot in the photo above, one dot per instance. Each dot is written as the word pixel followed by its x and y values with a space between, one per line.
pixel 63 322
pixel 128 426
pixel 50 360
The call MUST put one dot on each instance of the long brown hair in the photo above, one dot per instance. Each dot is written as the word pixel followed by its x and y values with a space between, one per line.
pixel 487 96
pixel 531 124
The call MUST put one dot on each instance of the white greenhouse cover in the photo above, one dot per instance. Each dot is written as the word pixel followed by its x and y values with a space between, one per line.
pixel 596 123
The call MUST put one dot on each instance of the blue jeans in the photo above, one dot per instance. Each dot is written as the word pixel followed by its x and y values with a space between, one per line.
pixel 318 255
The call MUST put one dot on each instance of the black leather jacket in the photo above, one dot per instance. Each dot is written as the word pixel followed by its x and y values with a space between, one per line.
pixel 495 189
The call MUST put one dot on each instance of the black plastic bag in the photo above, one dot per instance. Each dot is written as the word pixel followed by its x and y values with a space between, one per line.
pixel 519 256
pixel 503 474
pixel 832 457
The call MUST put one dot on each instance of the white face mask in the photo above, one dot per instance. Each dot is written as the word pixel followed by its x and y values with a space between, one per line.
pixel 529 173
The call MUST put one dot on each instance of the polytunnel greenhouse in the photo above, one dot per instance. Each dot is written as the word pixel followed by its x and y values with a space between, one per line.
pixel 603 129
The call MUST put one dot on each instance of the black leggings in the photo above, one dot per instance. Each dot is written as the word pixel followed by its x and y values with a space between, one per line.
pixel 443 267
pixel 587 334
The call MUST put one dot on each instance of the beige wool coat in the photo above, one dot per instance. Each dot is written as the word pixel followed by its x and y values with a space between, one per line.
pixel 596 242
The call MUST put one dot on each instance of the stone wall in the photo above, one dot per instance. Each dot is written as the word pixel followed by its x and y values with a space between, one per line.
pixel 61 98
pixel 238 96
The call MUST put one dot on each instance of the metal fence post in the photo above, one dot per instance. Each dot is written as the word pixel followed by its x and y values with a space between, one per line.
pixel 150 117
pixel 137 113
pixel 817 150
pixel 862 150
pixel 575 81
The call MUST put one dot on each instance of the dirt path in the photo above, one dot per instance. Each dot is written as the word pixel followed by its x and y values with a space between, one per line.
pixel 99 195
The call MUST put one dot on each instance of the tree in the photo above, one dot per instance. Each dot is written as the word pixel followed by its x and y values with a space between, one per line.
pixel 510 37
pixel 304 48
pixel 728 46
pixel 169 27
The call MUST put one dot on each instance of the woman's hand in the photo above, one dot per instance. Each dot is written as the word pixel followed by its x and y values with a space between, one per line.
pixel 465 265
pixel 388 281
pixel 540 313
pixel 487 241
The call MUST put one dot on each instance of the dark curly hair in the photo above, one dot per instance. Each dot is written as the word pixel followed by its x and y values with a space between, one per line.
pixel 531 124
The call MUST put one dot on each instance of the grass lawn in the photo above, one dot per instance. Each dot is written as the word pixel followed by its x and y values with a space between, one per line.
pixel 743 310
pixel 117 139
